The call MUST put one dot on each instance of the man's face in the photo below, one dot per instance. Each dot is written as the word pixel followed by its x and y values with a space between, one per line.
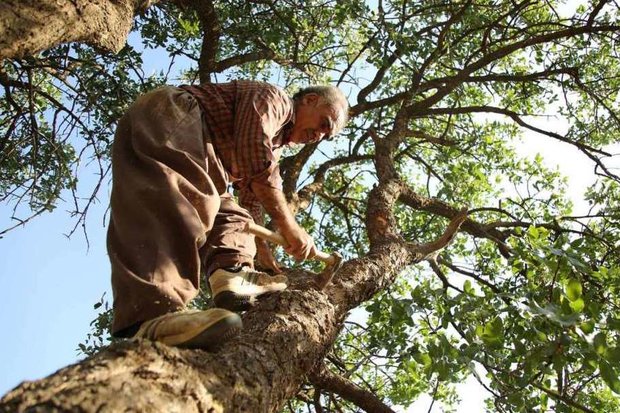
pixel 315 120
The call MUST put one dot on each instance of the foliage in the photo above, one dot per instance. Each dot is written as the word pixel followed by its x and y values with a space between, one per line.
pixel 525 298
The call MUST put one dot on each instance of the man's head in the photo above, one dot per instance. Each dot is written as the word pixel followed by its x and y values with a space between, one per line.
pixel 320 112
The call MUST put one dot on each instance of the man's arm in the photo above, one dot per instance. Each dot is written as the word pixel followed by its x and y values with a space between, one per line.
pixel 301 245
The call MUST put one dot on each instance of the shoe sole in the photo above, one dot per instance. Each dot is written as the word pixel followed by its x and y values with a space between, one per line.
pixel 238 302
pixel 241 297
pixel 215 336
pixel 235 302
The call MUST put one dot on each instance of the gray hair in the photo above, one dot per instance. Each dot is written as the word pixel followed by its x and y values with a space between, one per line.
pixel 332 96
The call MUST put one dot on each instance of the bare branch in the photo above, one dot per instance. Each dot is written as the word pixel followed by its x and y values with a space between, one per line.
pixel 325 379
pixel 445 239
pixel 438 207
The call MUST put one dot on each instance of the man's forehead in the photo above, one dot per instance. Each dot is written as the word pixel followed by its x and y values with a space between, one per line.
pixel 337 116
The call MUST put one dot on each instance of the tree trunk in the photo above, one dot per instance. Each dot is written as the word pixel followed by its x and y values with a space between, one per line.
pixel 283 339
pixel 29 26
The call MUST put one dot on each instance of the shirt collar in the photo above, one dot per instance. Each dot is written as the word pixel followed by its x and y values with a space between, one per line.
pixel 288 126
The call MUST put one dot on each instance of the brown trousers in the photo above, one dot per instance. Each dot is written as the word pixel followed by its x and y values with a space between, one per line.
pixel 171 217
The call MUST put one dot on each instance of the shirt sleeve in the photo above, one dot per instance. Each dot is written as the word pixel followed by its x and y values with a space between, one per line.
pixel 259 118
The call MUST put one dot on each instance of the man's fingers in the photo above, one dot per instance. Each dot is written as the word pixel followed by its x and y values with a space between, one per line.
pixel 273 265
pixel 303 251
pixel 265 257
pixel 313 252
pixel 309 251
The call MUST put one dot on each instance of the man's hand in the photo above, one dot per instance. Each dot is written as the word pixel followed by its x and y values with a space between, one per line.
pixel 265 258
pixel 301 245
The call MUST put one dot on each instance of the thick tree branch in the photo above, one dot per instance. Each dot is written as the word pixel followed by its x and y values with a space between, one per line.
pixel 211 29
pixel 284 337
pixel 30 26
pixel 438 207
pixel 446 238
pixel 380 221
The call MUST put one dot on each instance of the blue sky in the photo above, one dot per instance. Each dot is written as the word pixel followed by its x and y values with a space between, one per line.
pixel 49 283
pixel 48 286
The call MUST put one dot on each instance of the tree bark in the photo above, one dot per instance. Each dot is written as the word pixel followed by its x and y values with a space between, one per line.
pixel 284 338
pixel 29 26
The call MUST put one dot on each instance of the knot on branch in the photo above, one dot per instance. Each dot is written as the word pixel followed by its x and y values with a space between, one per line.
pixel 380 220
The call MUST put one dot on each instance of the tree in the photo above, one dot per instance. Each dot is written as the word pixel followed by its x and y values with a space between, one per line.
pixel 519 288
pixel 31 26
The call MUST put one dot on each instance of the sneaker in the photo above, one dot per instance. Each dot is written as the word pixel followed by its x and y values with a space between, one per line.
pixel 237 291
pixel 206 330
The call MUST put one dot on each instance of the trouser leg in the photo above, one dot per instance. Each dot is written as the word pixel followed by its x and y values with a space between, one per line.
pixel 163 204
pixel 228 244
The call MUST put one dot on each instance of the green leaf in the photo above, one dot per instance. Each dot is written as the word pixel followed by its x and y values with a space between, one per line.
pixel 600 343
pixel 613 354
pixel 587 327
pixel 610 375
pixel 424 359
pixel 613 323
pixel 573 290
pixel 533 232
pixel 577 305
pixel 467 287
pixel 493 332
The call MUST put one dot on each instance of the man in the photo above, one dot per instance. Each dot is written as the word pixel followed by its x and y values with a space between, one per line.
pixel 175 154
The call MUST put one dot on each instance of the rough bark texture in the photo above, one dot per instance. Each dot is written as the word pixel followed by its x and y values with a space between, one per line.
pixel 283 339
pixel 29 26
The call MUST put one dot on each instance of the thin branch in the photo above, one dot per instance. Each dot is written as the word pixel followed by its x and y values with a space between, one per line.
pixel 325 379
pixel 500 53
pixel 562 399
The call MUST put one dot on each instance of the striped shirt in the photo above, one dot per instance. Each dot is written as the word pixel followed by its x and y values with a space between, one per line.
pixel 248 123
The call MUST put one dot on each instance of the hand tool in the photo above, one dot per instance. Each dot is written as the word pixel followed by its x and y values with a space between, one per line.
pixel 333 261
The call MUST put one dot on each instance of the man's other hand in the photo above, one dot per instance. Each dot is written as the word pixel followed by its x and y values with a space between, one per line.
pixel 265 258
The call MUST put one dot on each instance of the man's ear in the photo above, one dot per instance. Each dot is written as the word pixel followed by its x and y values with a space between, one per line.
pixel 311 99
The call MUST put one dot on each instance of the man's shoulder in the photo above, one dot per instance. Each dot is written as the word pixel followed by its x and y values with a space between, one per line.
pixel 258 86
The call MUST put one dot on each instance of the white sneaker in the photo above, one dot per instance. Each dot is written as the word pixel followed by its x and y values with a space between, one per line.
pixel 237 291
